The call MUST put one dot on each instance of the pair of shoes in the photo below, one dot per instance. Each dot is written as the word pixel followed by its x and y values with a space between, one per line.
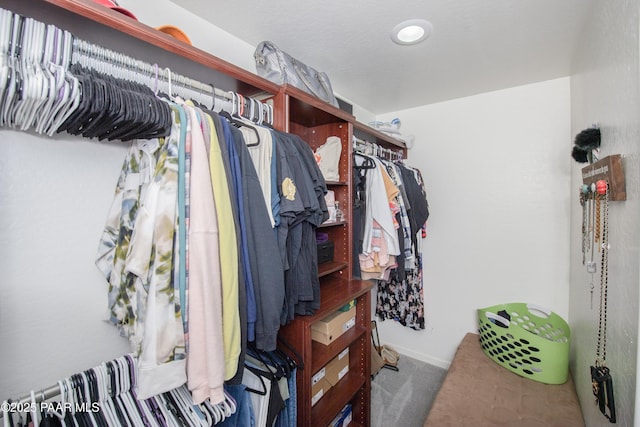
pixel 390 355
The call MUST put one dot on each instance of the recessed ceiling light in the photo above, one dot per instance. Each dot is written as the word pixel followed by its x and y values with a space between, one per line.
pixel 411 31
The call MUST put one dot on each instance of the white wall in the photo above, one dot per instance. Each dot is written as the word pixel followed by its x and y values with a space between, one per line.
pixel 605 89
pixel 54 197
pixel 497 170
pixel 203 35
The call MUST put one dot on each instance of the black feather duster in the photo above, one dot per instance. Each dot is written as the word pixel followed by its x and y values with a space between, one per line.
pixel 585 142
pixel 588 139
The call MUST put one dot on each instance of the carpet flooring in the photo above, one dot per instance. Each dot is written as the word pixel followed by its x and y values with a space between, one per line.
pixel 404 398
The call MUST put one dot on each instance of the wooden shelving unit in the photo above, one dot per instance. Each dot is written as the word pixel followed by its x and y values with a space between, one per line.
pixel 314 121
pixel 355 387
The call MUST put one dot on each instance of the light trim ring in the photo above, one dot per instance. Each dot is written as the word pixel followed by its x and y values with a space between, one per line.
pixel 411 31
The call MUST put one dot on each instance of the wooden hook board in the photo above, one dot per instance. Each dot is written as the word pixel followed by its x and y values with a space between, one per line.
pixel 610 169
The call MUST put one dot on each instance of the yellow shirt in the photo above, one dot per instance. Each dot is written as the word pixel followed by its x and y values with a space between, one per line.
pixel 228 255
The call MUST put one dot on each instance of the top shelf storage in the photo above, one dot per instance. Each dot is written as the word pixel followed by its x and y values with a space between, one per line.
pixel 113 30
pixel 370 134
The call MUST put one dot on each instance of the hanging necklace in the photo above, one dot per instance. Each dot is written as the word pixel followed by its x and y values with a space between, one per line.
pixel 587 200
pixel 601 350
pixel 597 220
pixel 584 202
pixel 601 381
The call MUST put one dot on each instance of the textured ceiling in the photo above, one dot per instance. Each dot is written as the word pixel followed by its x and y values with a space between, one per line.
pixel 476 45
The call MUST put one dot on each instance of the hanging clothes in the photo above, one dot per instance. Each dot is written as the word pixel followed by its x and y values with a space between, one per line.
pixel 302 209
pixel 228 253
pixel 206 357
pixel 265 266
pixel 270 383
pixel 401 298
pixel 260 145
pixel 405 258
pixel 142 222
pixel 419 207
pixel 395 205
pixel 380 240
pixel 194 267
pixel 361 164
pixel 211 185
pixel 246 298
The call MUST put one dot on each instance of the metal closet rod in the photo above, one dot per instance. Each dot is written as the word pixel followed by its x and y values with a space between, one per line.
pixel 119 59
pixel 112 60
pixel 40 396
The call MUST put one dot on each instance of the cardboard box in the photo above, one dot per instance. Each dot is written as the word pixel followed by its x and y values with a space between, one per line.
pixel 338 367
pixel 319 386
pixel 333 326
pixel 322 373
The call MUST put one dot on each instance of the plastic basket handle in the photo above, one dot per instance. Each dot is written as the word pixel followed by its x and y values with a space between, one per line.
pixel 505 322
pixel 537 310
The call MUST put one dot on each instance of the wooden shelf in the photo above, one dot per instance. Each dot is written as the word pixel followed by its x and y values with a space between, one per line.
pixel 332 224
pixel 331 403
pixel 337 292
pixel 362 131
pixel 322 354
pixel 327 268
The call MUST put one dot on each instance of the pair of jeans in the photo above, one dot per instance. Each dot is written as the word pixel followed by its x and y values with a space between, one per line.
pixel 243 417
pixel 288 416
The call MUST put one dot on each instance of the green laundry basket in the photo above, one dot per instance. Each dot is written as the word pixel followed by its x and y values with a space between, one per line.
pixel 528 340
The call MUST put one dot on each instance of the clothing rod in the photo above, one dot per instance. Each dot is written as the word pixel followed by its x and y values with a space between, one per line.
pixel 73 50
pixel 126 62
pixel 84 53
pixel 40 396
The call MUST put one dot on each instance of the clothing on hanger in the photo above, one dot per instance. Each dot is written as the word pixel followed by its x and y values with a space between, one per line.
pixel 395 211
